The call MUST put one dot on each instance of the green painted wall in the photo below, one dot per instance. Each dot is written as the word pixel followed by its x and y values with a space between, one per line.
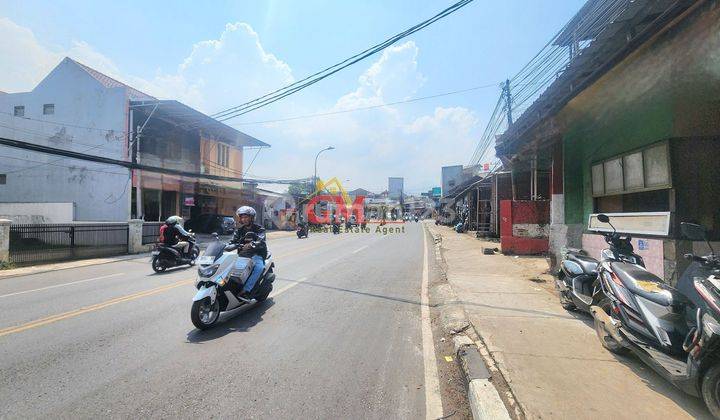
pixel 654 94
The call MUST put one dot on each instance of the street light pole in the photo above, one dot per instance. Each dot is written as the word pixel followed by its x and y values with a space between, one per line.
pixel 316 159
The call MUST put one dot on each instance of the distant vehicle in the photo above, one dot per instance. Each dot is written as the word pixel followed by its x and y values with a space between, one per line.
pixel 212 223
pixel 302 230
pixel 164 256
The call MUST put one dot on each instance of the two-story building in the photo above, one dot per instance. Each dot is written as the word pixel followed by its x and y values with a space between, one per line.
pixel 78 108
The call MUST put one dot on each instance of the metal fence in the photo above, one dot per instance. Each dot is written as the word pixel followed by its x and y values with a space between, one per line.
pixel 31 243
pixel 150 232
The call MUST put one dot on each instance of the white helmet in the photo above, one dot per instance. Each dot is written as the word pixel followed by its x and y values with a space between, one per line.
pixel 246 210
pixel 172 220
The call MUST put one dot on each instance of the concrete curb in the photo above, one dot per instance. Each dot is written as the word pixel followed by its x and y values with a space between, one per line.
pixel 47 268
pixel 480 371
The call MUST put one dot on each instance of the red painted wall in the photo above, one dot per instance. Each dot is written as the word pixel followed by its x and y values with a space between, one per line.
pixel 523 212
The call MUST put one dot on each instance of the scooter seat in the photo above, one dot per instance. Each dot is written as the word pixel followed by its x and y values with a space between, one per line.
pixel 588 264
pixel 646 284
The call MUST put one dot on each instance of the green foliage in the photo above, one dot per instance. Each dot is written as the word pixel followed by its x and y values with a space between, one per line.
pixel 6 265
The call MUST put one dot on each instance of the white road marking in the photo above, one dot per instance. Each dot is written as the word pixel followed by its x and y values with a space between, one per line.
pixel 433 402
pixel 61 285
pixel 359 249
pixel 289 286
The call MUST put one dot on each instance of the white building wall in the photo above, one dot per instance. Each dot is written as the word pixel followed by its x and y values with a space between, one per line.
pixel 99 192
pixel 38 212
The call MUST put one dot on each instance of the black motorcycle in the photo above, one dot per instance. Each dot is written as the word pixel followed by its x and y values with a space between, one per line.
pixel 302 231
pixel 675 331
pixel 164 256
pixel 577 279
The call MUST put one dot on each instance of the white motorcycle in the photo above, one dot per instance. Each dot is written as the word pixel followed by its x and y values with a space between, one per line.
pixel 221 276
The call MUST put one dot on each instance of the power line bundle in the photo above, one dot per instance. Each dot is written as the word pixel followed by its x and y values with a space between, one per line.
pixel 547 65
pixel 329 71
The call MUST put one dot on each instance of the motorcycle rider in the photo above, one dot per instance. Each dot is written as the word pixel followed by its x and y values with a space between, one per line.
pixel 256 249
pixel 175 236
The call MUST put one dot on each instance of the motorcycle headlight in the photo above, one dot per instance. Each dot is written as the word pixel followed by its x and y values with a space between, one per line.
pixel 207 271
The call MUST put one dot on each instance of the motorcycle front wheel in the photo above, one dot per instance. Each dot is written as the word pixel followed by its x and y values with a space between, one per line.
pixel 203 314
pixel 157 266
pixel 193 256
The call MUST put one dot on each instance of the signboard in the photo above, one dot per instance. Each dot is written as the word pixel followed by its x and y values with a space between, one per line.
pixel 436 192
pixel 647 223
pixel 189 201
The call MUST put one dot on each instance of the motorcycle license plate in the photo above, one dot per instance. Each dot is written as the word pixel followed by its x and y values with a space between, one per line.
pixel 206 260
pixel 156 253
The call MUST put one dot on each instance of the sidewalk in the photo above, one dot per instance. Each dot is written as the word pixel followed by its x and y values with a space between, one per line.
pixel 551 358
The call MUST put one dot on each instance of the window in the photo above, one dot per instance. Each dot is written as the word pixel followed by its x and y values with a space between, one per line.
pixel 644 170
pixel 48 109
pixel 223 154
pixel 3 179
pixel 19 111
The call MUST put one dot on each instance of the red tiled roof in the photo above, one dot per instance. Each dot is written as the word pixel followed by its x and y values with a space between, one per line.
pixel 109 82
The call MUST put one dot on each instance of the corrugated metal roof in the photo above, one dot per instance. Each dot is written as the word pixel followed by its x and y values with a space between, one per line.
pixel 610 41
pixel 189 118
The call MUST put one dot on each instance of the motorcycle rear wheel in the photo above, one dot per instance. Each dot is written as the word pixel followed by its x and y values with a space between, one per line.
pixel 264 293
pixel 711 390
pixel 157 266
pixel 203 314
pixel 566 302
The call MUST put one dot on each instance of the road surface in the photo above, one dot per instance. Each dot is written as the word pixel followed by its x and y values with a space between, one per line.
pixel 340 337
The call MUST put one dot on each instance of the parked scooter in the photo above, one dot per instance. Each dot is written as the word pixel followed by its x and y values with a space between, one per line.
pixel 221 276
pixel 577 279
pixel 164 257
pixel 674 331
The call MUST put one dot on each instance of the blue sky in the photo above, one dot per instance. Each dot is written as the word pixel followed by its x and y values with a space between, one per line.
pixel 254 47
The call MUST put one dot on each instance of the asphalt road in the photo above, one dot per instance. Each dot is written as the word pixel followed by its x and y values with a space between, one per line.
pixel 340 337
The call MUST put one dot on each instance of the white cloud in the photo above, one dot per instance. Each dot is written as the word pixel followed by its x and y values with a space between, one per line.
pixel 235 67
pixel 23 60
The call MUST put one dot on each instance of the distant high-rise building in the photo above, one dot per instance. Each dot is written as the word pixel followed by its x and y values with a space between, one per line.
pixel 395 188
pixel 450 177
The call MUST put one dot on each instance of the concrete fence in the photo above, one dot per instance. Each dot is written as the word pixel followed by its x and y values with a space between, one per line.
pixel 36 243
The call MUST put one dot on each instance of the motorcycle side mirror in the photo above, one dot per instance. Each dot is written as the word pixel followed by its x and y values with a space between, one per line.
pixel 692 231
pixel 696 232
pixel 603 218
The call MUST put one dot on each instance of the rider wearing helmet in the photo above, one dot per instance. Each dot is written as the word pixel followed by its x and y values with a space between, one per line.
pixel 250 238
pixel 175 236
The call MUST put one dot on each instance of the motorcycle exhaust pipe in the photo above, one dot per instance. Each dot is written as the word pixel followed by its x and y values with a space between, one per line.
pixel 612 329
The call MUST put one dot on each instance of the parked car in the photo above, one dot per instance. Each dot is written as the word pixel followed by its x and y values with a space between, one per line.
pixel 212 223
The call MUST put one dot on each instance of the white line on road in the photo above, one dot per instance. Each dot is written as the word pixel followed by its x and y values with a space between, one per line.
pixel 61 285
pixel 433 402
pixel 359 249
pixel 289 286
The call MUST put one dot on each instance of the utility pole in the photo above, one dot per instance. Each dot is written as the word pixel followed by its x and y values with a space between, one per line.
pixel 508 101
pixel 138 179
pixel 138 189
